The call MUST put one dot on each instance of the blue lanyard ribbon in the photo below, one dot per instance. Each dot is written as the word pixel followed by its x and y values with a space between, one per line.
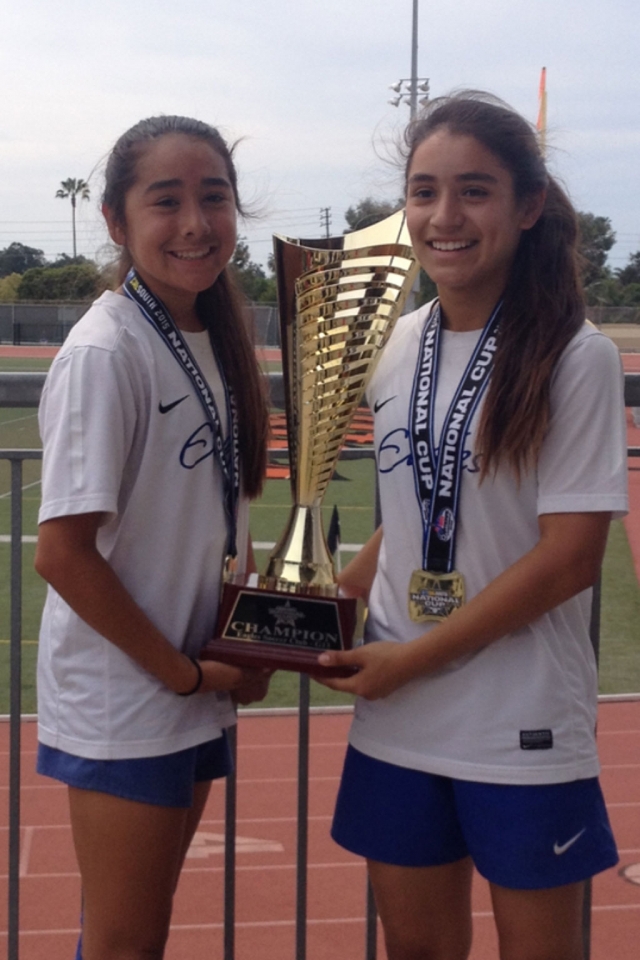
pixel 227 451
pixel 438 472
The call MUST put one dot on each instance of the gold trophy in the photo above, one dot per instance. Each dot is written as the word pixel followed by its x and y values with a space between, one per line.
pixel 339 298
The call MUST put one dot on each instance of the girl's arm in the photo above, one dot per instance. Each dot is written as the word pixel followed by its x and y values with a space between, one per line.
pixel 256 686
pixel 565 561
pixel 68 559
pixel 356 578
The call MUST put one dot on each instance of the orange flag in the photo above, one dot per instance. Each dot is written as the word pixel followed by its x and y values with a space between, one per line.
pixel 541 125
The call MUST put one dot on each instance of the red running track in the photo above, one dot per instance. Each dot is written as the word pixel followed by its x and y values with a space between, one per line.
pixel 45 352
pixel 267 784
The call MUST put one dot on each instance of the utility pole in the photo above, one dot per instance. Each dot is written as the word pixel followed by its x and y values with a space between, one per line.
pixel 325 220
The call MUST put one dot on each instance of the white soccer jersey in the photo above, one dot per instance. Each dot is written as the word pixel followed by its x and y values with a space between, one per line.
pixel 522 710
pixel 124 433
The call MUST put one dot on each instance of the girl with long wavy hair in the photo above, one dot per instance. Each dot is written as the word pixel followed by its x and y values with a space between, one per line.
pixel 501 458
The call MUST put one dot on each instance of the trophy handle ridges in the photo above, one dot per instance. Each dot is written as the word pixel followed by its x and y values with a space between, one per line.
pixel 338 304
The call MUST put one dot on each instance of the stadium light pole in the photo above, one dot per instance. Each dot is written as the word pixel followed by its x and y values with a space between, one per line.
pixel 413 102
pixel 408 88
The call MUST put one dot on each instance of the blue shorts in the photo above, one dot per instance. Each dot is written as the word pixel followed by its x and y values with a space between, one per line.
pixel 165 781
pixel 521 837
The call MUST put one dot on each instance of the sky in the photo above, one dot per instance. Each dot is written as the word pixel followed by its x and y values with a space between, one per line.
pixel 304 85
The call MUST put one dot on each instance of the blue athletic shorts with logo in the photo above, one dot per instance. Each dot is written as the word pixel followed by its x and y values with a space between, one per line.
pixel 166 781
pixel 521 837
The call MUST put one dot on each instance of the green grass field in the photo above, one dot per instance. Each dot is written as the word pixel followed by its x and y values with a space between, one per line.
pixel 620 617
pixel 8 364
pixel 354 495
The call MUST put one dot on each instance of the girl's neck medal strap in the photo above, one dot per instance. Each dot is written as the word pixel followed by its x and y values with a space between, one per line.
pixel 227 453
pixel 437 589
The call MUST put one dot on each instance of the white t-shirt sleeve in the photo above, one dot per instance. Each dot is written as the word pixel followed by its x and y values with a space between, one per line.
pixel 87 418
pixel 583 463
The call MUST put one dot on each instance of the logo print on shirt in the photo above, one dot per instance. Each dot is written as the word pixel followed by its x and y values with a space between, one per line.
pixel 199 447
pixel 394 450
pixel 560 848
pixel 164 408
pixel 379 404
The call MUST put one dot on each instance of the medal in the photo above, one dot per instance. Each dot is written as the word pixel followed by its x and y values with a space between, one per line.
pixel 434 596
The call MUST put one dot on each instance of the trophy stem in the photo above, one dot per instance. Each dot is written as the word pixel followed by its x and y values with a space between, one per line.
pixel 301 561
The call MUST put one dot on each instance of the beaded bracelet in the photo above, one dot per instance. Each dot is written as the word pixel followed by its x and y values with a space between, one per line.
pixel 198 683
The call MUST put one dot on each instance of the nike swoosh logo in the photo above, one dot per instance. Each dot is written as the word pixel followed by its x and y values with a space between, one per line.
pixel 170 406
pixel 379 404
pixel 560 848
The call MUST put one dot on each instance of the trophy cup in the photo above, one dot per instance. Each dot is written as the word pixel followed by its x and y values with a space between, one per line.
pixel 339 298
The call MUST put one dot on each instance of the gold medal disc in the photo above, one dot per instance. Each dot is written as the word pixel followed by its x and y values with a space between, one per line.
pixel 434 596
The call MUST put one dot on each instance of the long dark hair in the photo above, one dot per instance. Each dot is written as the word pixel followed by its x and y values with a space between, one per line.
pixel 543 304
pixel 221 308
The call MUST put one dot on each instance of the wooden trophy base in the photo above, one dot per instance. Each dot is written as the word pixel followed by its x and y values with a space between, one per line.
pixel 282 631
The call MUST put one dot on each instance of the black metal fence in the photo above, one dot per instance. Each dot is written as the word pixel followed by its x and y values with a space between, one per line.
pixel 49 323
pixel 40 323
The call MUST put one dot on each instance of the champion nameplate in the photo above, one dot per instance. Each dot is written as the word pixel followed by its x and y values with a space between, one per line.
pixel 288 620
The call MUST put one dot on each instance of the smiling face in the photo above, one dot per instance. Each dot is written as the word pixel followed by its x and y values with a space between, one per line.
pixel 179 221
pixel 464 220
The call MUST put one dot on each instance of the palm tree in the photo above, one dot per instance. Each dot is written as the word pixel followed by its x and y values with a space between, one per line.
pixel 73 188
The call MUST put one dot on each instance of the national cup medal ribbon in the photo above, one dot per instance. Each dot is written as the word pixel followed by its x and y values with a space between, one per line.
pixel 437 589
pixel 227 453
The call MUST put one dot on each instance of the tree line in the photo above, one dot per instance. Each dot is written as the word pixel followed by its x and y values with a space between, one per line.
pixel 26 274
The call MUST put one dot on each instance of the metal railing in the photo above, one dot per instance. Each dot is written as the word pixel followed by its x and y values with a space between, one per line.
pixel 47 324
pixel 16 460
pixel 23 390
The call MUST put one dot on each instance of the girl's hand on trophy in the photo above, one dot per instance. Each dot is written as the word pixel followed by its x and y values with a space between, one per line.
pixel 246 685
pixel 381 667
pixel 254 687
